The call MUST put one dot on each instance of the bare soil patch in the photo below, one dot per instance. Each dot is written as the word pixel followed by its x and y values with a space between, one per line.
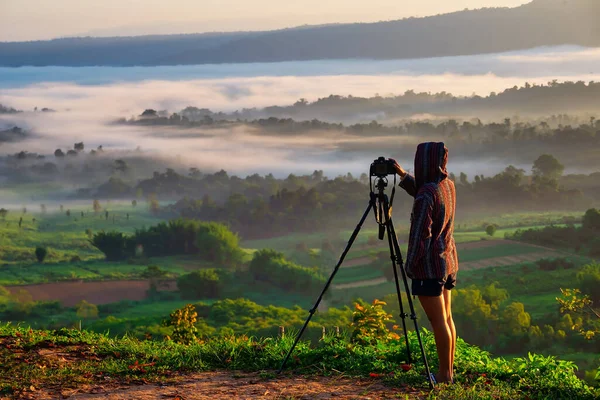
pixel 100 292
pixel 232 385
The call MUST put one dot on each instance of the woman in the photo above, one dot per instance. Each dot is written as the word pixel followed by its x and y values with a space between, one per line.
pixel 432 261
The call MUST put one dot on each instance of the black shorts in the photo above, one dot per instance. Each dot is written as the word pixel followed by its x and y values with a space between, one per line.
pixel 433 287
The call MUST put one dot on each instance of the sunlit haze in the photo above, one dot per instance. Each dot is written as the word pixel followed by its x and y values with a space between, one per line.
pixel 43 19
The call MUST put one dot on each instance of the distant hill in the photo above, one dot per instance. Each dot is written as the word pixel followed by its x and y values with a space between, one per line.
pixel 539 23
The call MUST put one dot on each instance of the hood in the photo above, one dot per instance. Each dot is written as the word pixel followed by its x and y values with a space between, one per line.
pixel 430 163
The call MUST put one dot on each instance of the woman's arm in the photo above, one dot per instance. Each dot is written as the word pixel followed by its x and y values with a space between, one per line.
pixel 407 182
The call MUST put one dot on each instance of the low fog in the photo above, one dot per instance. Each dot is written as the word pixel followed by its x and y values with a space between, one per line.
pixel 87 100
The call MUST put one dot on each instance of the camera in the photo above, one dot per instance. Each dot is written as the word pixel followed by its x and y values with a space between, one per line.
pixel 382 167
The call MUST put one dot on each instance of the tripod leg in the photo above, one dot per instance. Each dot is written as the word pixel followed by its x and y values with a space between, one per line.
pixel 341 260
pixel 403 315
pixel 413 315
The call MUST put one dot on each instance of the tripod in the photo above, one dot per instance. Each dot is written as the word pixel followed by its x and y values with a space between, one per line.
pixel 382 208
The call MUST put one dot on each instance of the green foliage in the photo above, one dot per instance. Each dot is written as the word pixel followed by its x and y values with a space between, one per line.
pixel 40 254
pixel 86 310
pixel 591 220
pixel 202 284
pixel 588 319
pixel 547 166
pixel 478 375
pixel 96 206
pixel 209 240
pixel 183 322
pixel 215 242
pixel 490 230
pixel 115 245
pixel 589 282
pixel 271 266
pixel 369 323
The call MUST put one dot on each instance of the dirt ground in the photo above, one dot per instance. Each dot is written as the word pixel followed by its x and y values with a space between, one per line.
pixel 228 385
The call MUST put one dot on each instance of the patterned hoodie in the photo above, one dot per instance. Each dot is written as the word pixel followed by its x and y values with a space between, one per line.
pixel 431 248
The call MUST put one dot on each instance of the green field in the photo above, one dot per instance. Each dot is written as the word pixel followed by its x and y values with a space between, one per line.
pixel 65 237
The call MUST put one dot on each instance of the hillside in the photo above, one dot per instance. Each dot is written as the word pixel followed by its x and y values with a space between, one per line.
pixel 82 365
pixel 539 23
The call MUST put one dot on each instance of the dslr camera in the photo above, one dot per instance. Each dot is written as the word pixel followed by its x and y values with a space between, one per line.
pixel 382 167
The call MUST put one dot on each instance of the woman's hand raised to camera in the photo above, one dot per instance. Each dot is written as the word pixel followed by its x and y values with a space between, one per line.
pixel 399 170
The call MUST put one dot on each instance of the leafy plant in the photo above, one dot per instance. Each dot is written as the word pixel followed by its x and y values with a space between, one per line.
pixel 369 323
pixel 183 322
pixel 41 253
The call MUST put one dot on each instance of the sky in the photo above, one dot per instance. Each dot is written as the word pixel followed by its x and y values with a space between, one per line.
pixel 22 20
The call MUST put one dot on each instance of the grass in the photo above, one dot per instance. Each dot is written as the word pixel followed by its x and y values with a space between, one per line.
pixel 497 250
pixel 65 237
pixel 89 358
pixel 93 270
pixel 357 274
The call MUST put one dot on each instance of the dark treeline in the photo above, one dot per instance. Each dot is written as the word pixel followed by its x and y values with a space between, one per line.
pixel 529 99
pixel 14 134
pixel 260 207
pixel 584 239
pixel 472 131
pixel 7 110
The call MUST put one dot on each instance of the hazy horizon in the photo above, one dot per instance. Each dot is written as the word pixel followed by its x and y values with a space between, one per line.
pixel 26 20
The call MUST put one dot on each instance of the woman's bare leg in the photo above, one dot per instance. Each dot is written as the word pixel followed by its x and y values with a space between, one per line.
pixel 448 303
pixel 435 309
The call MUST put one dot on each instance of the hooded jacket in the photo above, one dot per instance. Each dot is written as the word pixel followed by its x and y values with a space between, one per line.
pixel 431 248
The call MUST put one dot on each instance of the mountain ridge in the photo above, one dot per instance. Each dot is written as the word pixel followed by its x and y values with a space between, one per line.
pixel 467 32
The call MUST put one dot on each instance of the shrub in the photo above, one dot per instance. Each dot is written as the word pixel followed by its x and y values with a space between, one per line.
pixel 591 220
pixel 589 281
pixel 490 230
pixel 205 283
pixel 216 243
pixel 183 322
pixel 271 266
pixel 114 245
pixel 86 310
pixel 41 253
pixel 369 323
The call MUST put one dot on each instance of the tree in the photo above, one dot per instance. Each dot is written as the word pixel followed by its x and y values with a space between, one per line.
pixel 78 146
pixel 572 301
pixel 547 166
pixel 86 310
pixel 216 243
pixel 204 283
pixel 490 230
pixel 121 166
pixel 591 220
pixel 97 207
pixel 515 321
pixel 58 153
pixel 3 213
pixel 41 253
pixel 115 245
pixel 153 205
pixel 68 213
